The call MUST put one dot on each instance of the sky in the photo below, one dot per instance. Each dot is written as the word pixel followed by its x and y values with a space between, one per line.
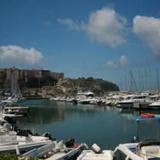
pixel 116 40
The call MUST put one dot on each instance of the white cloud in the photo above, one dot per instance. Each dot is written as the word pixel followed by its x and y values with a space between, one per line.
pixel 120 63
pixel 18 55
pixel 148 29
pixel 123 61
pixel 72 25
pixel 104 25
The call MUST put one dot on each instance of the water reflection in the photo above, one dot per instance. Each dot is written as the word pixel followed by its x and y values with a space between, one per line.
pixel 87 123
pixel 148 129
pixel 50 112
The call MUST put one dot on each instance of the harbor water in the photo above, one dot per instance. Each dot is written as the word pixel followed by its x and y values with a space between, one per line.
pixel 106 126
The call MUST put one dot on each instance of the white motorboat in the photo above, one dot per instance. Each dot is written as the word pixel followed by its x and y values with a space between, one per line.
pixel 127 103
pixel 19 148
pixel 12 116
pixel 155 105
pixel 56 151
pixel 18 110
pixel 9 100
pixel 90 155
pixel 10 142
pixel 88 101
pixel 96 154
pixel 135 102
pixel 68 153
pixel 149 150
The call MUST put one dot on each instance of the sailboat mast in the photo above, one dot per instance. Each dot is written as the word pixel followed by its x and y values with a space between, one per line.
pixel 157 77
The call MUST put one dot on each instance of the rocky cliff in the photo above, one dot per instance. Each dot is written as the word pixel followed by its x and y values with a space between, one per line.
pixel 69 87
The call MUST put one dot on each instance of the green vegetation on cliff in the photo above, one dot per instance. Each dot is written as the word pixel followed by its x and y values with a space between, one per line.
pixel 98 86
pixel 70 87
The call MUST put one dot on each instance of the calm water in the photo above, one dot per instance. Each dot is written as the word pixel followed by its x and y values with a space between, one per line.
pixel 86 123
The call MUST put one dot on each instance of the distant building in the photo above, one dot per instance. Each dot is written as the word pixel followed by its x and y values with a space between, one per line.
pixel 23 75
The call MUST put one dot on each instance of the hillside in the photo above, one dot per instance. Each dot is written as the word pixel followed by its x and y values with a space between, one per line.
pixel 71 86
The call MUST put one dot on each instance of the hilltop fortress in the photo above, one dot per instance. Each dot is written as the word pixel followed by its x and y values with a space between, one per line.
pixel 34 82
pixel 27 77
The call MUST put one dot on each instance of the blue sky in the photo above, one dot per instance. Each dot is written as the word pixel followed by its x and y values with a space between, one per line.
pixel 101 38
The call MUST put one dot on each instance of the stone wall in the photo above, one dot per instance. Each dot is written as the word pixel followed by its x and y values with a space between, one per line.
pixel 22 75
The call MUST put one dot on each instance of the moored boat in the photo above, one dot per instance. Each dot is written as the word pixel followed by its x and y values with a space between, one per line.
pixel 96 154
pixel 155 105
pixel 57 151
pixel 90 155
pixel 146 150
pixel 16 110
pixel 68 153
pixel 147 115
pixel 18 143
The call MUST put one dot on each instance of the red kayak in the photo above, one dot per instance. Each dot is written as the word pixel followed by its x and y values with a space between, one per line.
pixel 147 115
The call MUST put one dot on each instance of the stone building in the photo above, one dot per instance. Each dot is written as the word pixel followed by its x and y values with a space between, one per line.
pixel 23 75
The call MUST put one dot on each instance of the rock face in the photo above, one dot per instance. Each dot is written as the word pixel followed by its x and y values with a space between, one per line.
pixel 69 87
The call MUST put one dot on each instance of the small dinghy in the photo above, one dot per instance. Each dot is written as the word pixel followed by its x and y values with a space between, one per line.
pixel 147 115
